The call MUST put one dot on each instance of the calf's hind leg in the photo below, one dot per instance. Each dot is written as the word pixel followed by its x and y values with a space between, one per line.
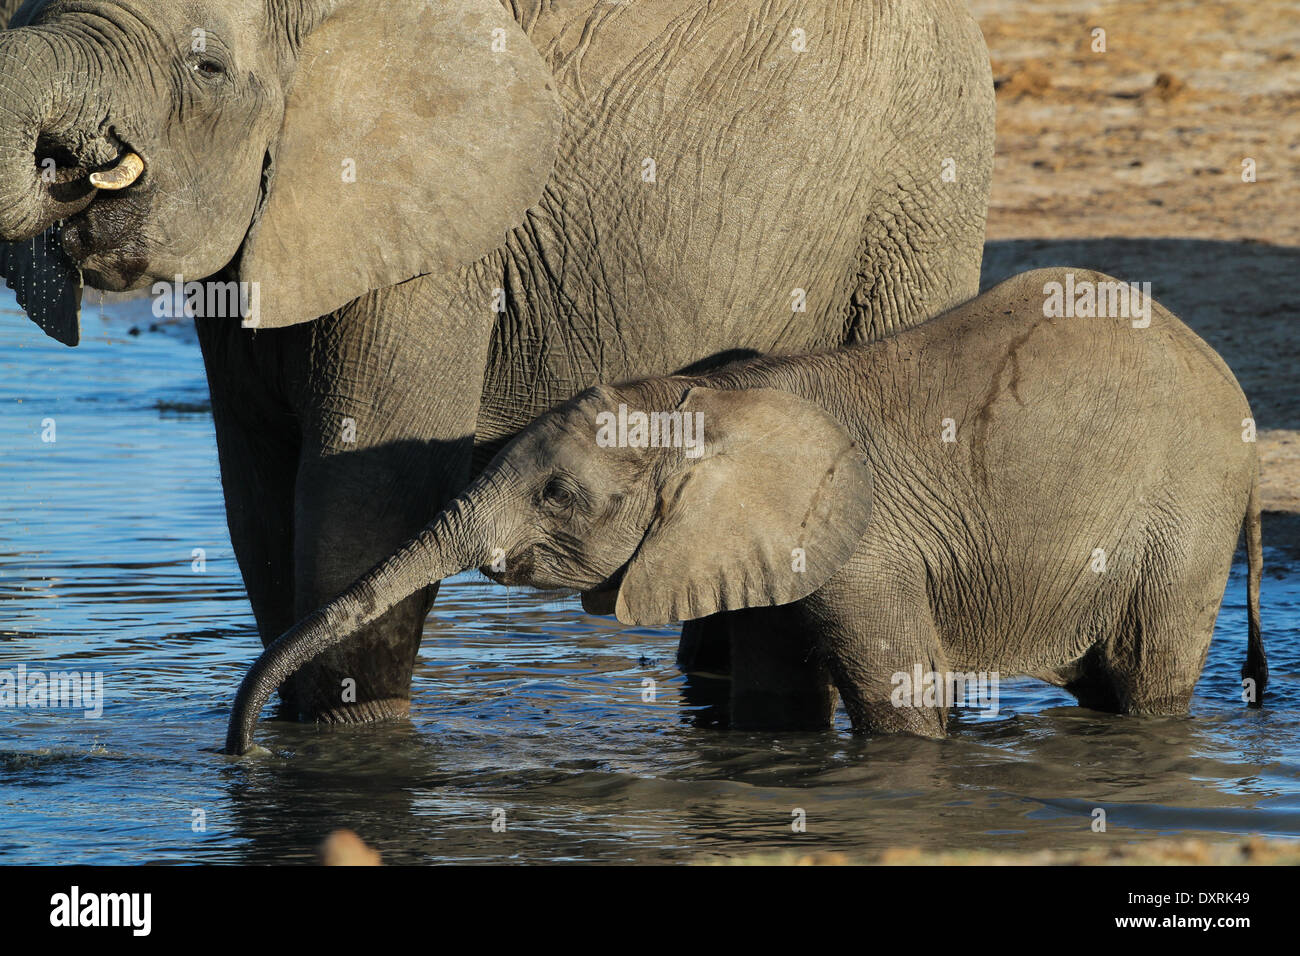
pixel 1153 659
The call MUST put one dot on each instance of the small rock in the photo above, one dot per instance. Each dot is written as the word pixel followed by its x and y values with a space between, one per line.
pixel 1168 86
pixel 345 848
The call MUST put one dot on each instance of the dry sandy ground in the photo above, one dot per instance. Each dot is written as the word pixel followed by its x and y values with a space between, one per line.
pixel 1130 161
pixel 1252 851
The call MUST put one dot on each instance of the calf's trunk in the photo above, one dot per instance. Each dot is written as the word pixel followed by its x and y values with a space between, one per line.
pixel 448 545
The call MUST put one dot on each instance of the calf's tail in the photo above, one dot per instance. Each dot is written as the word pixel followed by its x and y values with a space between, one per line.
pixel 1256 667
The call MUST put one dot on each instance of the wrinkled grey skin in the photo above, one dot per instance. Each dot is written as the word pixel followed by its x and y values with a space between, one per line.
pixel 340 434
pixel 972 555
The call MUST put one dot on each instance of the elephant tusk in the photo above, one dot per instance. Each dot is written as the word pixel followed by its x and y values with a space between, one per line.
pixel 127 171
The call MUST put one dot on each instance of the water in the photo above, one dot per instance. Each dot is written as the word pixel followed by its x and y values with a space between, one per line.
pixel 523 704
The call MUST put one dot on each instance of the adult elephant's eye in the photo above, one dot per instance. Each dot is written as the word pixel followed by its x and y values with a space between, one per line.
pixel 557 495
pixel 209 68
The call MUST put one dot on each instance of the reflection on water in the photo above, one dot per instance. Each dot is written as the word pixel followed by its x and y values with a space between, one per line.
pixel 522 704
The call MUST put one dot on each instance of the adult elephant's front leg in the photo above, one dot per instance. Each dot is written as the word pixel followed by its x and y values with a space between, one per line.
pixel 388 406
pixel 353 508
pixel 339 439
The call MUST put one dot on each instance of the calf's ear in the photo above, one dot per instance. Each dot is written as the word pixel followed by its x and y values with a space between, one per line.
pixel 774 505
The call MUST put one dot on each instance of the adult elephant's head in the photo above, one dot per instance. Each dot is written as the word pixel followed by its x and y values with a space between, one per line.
pixel 658 501
pixel 318 148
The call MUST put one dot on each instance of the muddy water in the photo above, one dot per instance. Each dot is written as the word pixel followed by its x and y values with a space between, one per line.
pixel 525 708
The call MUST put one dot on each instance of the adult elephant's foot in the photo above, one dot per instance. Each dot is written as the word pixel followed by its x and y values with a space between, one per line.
pixel 708 701
pixel 365 712
pixel 705 647
pixel 327 697
pixel 368 680
pixel 704 656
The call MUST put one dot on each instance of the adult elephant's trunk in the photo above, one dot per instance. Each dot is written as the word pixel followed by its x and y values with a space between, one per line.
pixel 43 76
pixel 452 542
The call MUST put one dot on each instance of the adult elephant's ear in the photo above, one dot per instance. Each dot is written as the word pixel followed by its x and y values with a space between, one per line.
pixel 415 135
pixel 774 505
pixel 46 283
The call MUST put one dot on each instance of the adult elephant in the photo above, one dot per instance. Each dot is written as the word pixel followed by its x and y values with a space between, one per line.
pixel 454 214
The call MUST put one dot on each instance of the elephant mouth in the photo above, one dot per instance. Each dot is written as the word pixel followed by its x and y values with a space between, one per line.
pixel 75 168
pixel 98 238
pixel 523 573
pixel 95 177
pixel 603 597
pixel 99 241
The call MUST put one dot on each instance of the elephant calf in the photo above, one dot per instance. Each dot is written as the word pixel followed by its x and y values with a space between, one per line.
pixel 1015 486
